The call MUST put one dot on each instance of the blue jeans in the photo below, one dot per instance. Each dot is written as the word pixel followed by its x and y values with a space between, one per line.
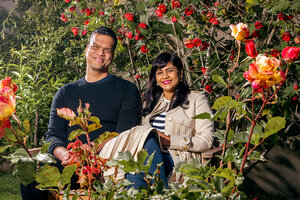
pixel 151 145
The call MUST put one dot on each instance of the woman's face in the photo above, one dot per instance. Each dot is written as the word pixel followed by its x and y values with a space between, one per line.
pixel 168 79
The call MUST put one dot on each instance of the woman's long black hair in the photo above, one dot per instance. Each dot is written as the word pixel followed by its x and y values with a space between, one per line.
pixel 153 91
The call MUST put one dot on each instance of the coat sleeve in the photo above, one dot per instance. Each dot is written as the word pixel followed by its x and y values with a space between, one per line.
pixel 203 138
pixel 130 109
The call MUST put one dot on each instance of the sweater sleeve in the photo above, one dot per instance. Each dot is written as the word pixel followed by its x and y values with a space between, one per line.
pixel 57 128
pixel 130 109
pixel 203 138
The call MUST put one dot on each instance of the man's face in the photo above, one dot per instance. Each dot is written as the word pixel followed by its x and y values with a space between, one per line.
pixel 99 53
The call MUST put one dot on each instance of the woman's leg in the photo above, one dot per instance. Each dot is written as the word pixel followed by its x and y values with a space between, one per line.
pixel 151 145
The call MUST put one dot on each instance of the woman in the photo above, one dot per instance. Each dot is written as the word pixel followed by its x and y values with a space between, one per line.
pixel 169 108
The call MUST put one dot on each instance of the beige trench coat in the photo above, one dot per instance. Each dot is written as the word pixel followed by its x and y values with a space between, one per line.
pixel 189 137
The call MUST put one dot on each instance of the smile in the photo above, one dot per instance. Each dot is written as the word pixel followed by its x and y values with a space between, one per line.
pixel 99 59
pixel 166 82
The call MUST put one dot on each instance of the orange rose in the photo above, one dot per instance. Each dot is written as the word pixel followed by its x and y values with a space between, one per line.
pixel 7 102
pixel 263 72
pixel 240 31
pixel 5 123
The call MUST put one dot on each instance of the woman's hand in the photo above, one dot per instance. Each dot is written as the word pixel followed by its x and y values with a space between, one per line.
pixel 164 139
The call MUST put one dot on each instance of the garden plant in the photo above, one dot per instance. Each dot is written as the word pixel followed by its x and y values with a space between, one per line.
pixel 242 54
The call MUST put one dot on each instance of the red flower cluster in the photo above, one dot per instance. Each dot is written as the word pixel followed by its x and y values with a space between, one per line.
pixel 161 10
pixel 208 88
pixel 286 36
pixel 142 25
pixel 74 31
pixel 214 20
pixel 175 4
pixel 255 34
pixel 129 16
pixel 129 35
pixel 144 49
pixel 275 53
pixel 137 76
pixel 188 11
pixel 86 22
pixel 203 69
pixel 63 18
pixel 193 43
pixel 174 19
pixel 284 17
pixel 258 25
pixel 88 12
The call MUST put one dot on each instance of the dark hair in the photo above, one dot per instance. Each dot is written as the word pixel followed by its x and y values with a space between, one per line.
pixel 103 30
pixel 153 91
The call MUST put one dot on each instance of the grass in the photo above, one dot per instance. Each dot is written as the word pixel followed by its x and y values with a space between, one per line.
pixel 9 187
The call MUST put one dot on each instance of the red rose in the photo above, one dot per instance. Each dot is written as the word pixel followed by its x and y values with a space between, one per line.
pixel 255 34
pixel 216 3
pixel 280 16
pixel 203 69
pixel 129 16
pixel 144 49
pixel 63 18
pixel 204 46
pixel 189 43
pixel 188 11
pixel 101 13
pixel 71 9
pixel 175 4
pixel 5 123
pixel 159 13
pixel 213 20
pixel 142 25
pixel 197 42
pixel 250 49
pixel 67 1
pixel 84 32
pixel 275 53
pixel 290 54
pixel 295 86
pixel 174 19
pixel 88 11
pixel 258 25
pixel 86 22
pixel 137 37
pixel 294 100
pixel 75 31
pixel 208 88
pixel 286 36
pixel 162 8
pixel 129 35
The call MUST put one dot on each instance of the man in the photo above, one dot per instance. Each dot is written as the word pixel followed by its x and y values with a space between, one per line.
pixel 116 102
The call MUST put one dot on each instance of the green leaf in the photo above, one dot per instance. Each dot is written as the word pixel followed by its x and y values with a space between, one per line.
pixel 96 120
pixel 47 176
pixel 10 135
pixel 241 137
pixel 26 126
pixel 65 113
pixel 281 6
pixel 45 158
pixel 66 192
pixel 76 133
pixel 204 115
pixel 105 136
pixel 141 157
pixel 218 79
pixel 225 102
pixel 18 154
pixel 20 133
pixel 149 162
pixel 93 127
pixel 67 174
pixel 25 170
pixel 225 173
pixel 274 125
pixel 45 147
pixel 2 149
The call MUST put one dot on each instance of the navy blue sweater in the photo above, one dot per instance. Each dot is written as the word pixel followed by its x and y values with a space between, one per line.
pixel 116 102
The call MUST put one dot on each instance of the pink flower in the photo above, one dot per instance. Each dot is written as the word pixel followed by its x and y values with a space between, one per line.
pixel 74 31
pixel 129 16
pixel 162 8
pixel 142 25
pixel 286 36
pixel 216 3
pixel 290 54
pixel 144 49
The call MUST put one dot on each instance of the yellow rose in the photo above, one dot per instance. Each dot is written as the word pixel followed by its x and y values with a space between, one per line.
pixel 7 102
pixel 240 31
pixel 263 72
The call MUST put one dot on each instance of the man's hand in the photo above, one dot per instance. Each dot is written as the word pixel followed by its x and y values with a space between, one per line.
pixel 164 139
pixel 62 154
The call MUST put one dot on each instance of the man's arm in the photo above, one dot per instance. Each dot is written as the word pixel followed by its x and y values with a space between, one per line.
pixel 130 109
